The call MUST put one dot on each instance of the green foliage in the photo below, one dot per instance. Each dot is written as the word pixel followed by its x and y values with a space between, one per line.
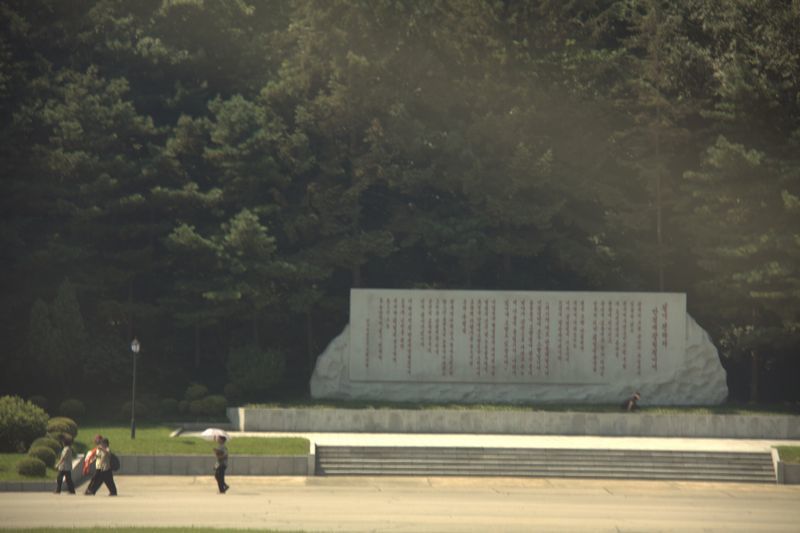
pixel 44 454
pixel 47 442
pixel 210 406
pixel 72 408
pixel 169 407
pixel 31 467
pixel 39 401
pixel 255 371
pixel 20 423
pixel 205 192
pixel 58 337
pixel 62 425
pixel 195 391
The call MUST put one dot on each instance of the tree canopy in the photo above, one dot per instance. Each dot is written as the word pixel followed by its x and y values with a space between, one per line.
pixel 214 176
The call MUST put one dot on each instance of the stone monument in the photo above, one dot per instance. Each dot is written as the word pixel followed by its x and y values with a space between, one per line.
pixel 520 347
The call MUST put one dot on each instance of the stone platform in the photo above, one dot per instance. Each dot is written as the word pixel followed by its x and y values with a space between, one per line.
pixel 515 422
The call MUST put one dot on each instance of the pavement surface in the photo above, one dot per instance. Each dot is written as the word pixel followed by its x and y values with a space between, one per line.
pixel 415 504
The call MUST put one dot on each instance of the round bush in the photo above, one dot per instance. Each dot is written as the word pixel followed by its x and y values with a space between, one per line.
pixel 195 391
pixel 62 424
pixel 47 442
pixel 45 454
pixel 20 423
pixel 32 467
pixel 72 408
pixel 142 411
pixel 213 405
pixel 255 371
pixel 169 406
pixel 39 400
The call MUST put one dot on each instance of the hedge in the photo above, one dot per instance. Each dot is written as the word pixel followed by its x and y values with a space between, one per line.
pixel 31 466
pixel 20 423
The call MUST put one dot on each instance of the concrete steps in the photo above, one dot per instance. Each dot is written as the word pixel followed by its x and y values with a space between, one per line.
pixel 535 462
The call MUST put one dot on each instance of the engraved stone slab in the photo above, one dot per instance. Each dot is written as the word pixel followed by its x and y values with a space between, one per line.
pixel 476 346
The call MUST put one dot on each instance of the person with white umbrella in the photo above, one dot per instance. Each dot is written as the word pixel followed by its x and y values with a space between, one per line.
pixel 221 453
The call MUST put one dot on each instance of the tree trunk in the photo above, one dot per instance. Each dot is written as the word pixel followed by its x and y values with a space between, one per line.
pixel 754 371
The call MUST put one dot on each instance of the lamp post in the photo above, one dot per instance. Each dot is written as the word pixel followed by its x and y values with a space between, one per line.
pixel 135 346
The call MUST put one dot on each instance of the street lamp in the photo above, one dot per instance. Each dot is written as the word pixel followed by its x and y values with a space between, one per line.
pixel 135 346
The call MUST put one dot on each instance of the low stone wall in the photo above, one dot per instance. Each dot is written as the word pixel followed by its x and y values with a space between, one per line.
pixel 201 465
pixel 788 473
pixel 515 422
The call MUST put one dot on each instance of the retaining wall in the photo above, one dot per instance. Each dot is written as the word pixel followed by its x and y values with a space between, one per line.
pixel 201 465
pixel 515 422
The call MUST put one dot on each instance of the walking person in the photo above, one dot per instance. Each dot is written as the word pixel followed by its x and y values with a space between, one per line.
pixel 221 453
pixel 631 404
pixel 94 483
pixel 103 472
pixel 64 465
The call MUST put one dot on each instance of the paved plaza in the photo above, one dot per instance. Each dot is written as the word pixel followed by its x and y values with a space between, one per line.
pixel 416 505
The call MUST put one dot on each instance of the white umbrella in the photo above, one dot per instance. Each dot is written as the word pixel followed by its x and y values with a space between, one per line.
pixel 213 433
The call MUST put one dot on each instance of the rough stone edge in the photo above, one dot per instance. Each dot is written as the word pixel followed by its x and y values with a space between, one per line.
pixel 330 380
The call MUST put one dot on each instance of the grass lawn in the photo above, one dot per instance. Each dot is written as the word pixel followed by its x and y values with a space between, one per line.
pixel 155 440
pixel 8 469
pixel 789 454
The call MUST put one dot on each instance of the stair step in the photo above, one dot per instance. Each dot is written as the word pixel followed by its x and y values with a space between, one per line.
pixel 623 464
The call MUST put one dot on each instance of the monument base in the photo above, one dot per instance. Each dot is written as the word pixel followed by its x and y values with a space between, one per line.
pixel 699 380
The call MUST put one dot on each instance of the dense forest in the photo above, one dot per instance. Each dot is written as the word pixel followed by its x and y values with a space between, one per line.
pixel 213 177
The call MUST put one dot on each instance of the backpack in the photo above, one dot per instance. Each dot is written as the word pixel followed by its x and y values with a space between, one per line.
pixel 114 462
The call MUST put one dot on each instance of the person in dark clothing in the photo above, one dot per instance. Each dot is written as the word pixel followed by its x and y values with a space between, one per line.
pixel 64 465
pixel 630 404
pixel 103 469
pixel 94 482
pixel 221 453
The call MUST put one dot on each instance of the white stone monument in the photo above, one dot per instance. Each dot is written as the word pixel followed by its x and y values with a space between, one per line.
pixel 492 346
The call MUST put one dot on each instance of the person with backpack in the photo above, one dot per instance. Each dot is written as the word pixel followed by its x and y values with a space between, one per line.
pixel 91 456
pixel 104 467
pixel 64 465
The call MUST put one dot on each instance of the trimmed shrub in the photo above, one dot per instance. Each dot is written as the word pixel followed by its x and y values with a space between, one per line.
pixel 48 442
pixel 213 405
pixel 195 391
pixel 20 423
pixel 255 371
pixel 45 454
pixel 143 410
pixel 61 424
pixel 72 408
pixel 169 407
pixel 39 401
pixel 32 467
pixel 183 407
